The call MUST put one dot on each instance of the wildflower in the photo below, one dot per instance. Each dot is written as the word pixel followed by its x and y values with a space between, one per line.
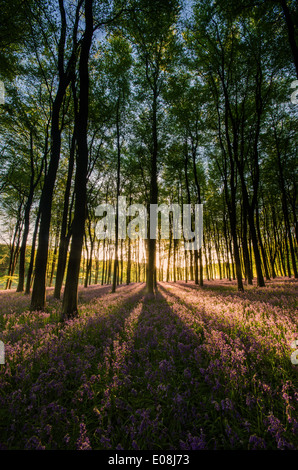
pixel 34 443
pixel 106 442
pixel 187 373
pixel 194 442
pixel 256 442
pixel 216 405
pixel 135 445
pixel 83 442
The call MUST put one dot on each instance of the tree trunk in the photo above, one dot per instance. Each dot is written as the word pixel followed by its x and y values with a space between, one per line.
pixel 291 32
pixel 21 280
pixel 263 252
pixel 254 239
pixel 169 258
pixel 246 259
pixel 121 263
pixel 54 260
pixel 285 207
pixel 38 298
pixel 32 255
pixel 103 262
pixel 151 278
pixel 14 247
pixel 20 286
pixel 70 298
pixel 64 237
pixel 118 194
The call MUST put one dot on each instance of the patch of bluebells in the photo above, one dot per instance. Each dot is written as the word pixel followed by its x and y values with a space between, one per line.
pixel 191 369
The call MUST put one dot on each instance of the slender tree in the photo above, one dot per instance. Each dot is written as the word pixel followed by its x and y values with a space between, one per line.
pixel 65 74
pixel 70 297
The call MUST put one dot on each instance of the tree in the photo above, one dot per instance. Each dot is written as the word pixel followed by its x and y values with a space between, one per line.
pixel 70 301
pixel 116 66
pixel 277 18
pixel 186 97
pixel 14 36
pixel 65 75
pixel 151 31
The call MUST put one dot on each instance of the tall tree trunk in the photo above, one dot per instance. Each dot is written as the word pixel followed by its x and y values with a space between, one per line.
pixel 255 245
pixel 32 255
pixel 109 273
pixel 86 274
pixel 228 271
pixel 246 259
pixel 103 262
pixel 128 269
pixel 96 271
pixel 121 263
pixel 64 236
pixel 230 188
pixel 38 298
pixel 70 298
pixel 151 277
pixel 285 206
pixel 174 260
pixel 231 203
pixel 206 259
pixel 198 253
pixel 291 32
pixel 118 194
pixel 263 252
pixel 169 254
pixel 54 260
pixel 14 247
pixel 20 286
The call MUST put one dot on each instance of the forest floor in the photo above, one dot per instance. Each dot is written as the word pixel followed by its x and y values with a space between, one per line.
pixel 191 368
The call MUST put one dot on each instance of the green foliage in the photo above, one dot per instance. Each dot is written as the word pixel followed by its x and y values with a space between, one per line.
pixel 186 89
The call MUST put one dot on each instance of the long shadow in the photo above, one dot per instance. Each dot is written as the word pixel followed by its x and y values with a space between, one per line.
pixel 18 302
pixel 207 285
pixel 108 324
pixel 248 338
pixel 154 378
pixel 87 294
pixel 268 294
pixel 66 356
pixel 190 307
pixel 165 376
pixel 227 326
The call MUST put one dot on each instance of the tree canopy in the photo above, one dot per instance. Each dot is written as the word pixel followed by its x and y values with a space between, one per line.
pixel 160 102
